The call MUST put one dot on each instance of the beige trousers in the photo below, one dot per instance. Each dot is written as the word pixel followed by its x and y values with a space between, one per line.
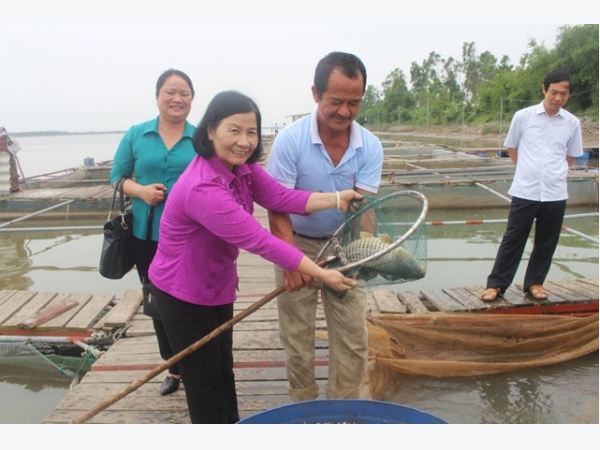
pixel 346 328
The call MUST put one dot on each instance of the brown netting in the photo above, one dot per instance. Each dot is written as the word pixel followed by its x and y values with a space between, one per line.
pixel 460 345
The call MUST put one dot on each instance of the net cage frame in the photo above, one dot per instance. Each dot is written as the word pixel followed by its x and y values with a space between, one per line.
pixel 337 248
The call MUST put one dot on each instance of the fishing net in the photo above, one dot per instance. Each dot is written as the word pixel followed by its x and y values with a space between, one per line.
pixel 383 240
pixel 469 344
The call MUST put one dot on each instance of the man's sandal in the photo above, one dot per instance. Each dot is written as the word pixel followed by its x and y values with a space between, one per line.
pixel 537 292
pixel 491 294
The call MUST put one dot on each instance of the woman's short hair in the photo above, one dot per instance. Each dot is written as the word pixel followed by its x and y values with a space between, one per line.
pixel 169 73
pixel 223 105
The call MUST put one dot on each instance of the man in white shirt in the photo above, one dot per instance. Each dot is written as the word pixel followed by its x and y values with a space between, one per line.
pixel 542 141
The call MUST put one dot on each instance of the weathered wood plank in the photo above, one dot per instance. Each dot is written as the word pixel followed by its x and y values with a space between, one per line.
pixel 127 377
pixel 121 314
pixel 5 295
pixel 242 358
pixel 121 417
pixel 47 313
pixel 86 316
pixel 443 301
pixel 477 291
pixel 515 296
pixel 62 320
pixel 14 303
pixel 591 281
pixel 587 291
pixel 140 328
pixel 412 302
pixel 572 291
pixel 556 295
pixel 467 298
pixel 388 302
pixel 40 300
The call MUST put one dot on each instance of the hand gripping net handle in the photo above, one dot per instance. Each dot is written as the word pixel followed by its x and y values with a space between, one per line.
pixel 339 249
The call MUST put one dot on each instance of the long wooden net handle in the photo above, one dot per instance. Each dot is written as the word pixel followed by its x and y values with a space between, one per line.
pixel 178 357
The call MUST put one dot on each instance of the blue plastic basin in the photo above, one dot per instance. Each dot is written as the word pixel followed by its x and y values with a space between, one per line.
pixel 342 411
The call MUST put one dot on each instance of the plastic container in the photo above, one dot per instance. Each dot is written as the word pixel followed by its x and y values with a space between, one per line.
pixel 350 411
pixel 4 173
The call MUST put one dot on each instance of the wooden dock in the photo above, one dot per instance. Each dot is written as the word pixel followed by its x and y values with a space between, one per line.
pixel 259 358
pixel 78 200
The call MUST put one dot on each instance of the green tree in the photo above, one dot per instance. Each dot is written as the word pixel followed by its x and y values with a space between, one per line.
pixel 370 99
pixel 479 88
pixel 577 51
pixel 397 100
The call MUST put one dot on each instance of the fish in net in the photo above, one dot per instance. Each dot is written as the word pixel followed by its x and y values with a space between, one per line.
pixel 383 240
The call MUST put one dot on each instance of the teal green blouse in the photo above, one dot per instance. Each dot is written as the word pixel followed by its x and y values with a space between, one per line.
pixel 142 155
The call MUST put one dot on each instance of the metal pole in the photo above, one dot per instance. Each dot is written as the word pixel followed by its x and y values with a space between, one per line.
pixel 437 223
pixel 577 233
pixel 462 130
pixel 41 229
pixel 35 213
pixel 500 130
pixel 564 228
pixel 427 116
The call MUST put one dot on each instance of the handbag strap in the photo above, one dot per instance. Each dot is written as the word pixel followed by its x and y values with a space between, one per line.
pixel 119 189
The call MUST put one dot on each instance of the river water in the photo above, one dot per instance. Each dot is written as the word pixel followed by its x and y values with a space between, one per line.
pixel 458 255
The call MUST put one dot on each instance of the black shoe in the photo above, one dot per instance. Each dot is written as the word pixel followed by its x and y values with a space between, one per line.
pixel 169 385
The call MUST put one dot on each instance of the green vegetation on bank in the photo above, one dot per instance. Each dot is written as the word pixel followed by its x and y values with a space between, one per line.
pixel 480 89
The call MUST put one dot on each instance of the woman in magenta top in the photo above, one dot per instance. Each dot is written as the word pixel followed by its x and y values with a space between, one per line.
pixel 207 219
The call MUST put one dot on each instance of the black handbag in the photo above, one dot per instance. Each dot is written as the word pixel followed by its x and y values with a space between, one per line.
pixel 116 258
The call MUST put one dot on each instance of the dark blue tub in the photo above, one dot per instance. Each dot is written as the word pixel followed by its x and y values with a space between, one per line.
pixel 342 411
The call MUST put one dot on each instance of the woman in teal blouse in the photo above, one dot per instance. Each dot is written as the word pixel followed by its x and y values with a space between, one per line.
pixel 153 154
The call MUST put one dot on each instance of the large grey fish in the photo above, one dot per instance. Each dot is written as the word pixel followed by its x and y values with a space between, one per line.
pixel 394 265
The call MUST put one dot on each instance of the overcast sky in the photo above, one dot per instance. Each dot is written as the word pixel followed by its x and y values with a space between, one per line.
pixel 99 77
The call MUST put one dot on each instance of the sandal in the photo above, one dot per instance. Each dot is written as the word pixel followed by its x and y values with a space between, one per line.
pixel 537 292
pixel 491 294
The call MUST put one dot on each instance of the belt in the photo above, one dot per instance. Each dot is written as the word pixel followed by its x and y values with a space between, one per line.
pixel 322 238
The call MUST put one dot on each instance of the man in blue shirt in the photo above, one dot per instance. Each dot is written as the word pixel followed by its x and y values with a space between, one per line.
pixel 325 151
pixel 542 141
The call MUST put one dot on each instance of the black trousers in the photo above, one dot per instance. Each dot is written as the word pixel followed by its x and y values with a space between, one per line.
pixel 208 372
pixel 144 251
pixel 548 217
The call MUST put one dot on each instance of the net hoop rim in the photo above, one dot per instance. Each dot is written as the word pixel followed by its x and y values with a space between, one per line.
pixel 420 220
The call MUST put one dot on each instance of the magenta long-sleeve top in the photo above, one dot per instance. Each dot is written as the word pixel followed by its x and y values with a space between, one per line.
pixel 208 218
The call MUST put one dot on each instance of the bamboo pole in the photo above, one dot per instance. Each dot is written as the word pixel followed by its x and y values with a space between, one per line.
pixel 498 194
pixel 28 216
pixel 178 357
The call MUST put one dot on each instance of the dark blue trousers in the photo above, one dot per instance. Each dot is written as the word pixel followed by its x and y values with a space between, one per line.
pixel 548 217
pixel 207 374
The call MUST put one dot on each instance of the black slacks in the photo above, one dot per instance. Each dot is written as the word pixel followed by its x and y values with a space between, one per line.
pixel 208 376
pixel 144 252
pixel 548 217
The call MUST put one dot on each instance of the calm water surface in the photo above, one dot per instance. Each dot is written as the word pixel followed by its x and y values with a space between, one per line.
pixel 458 255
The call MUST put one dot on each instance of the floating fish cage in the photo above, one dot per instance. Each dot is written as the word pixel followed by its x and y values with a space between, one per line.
pixel 346 411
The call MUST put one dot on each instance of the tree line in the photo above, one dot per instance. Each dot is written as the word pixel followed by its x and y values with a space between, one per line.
pixel 480 88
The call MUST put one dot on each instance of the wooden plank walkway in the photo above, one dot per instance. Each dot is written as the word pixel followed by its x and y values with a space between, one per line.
pixel 259 358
